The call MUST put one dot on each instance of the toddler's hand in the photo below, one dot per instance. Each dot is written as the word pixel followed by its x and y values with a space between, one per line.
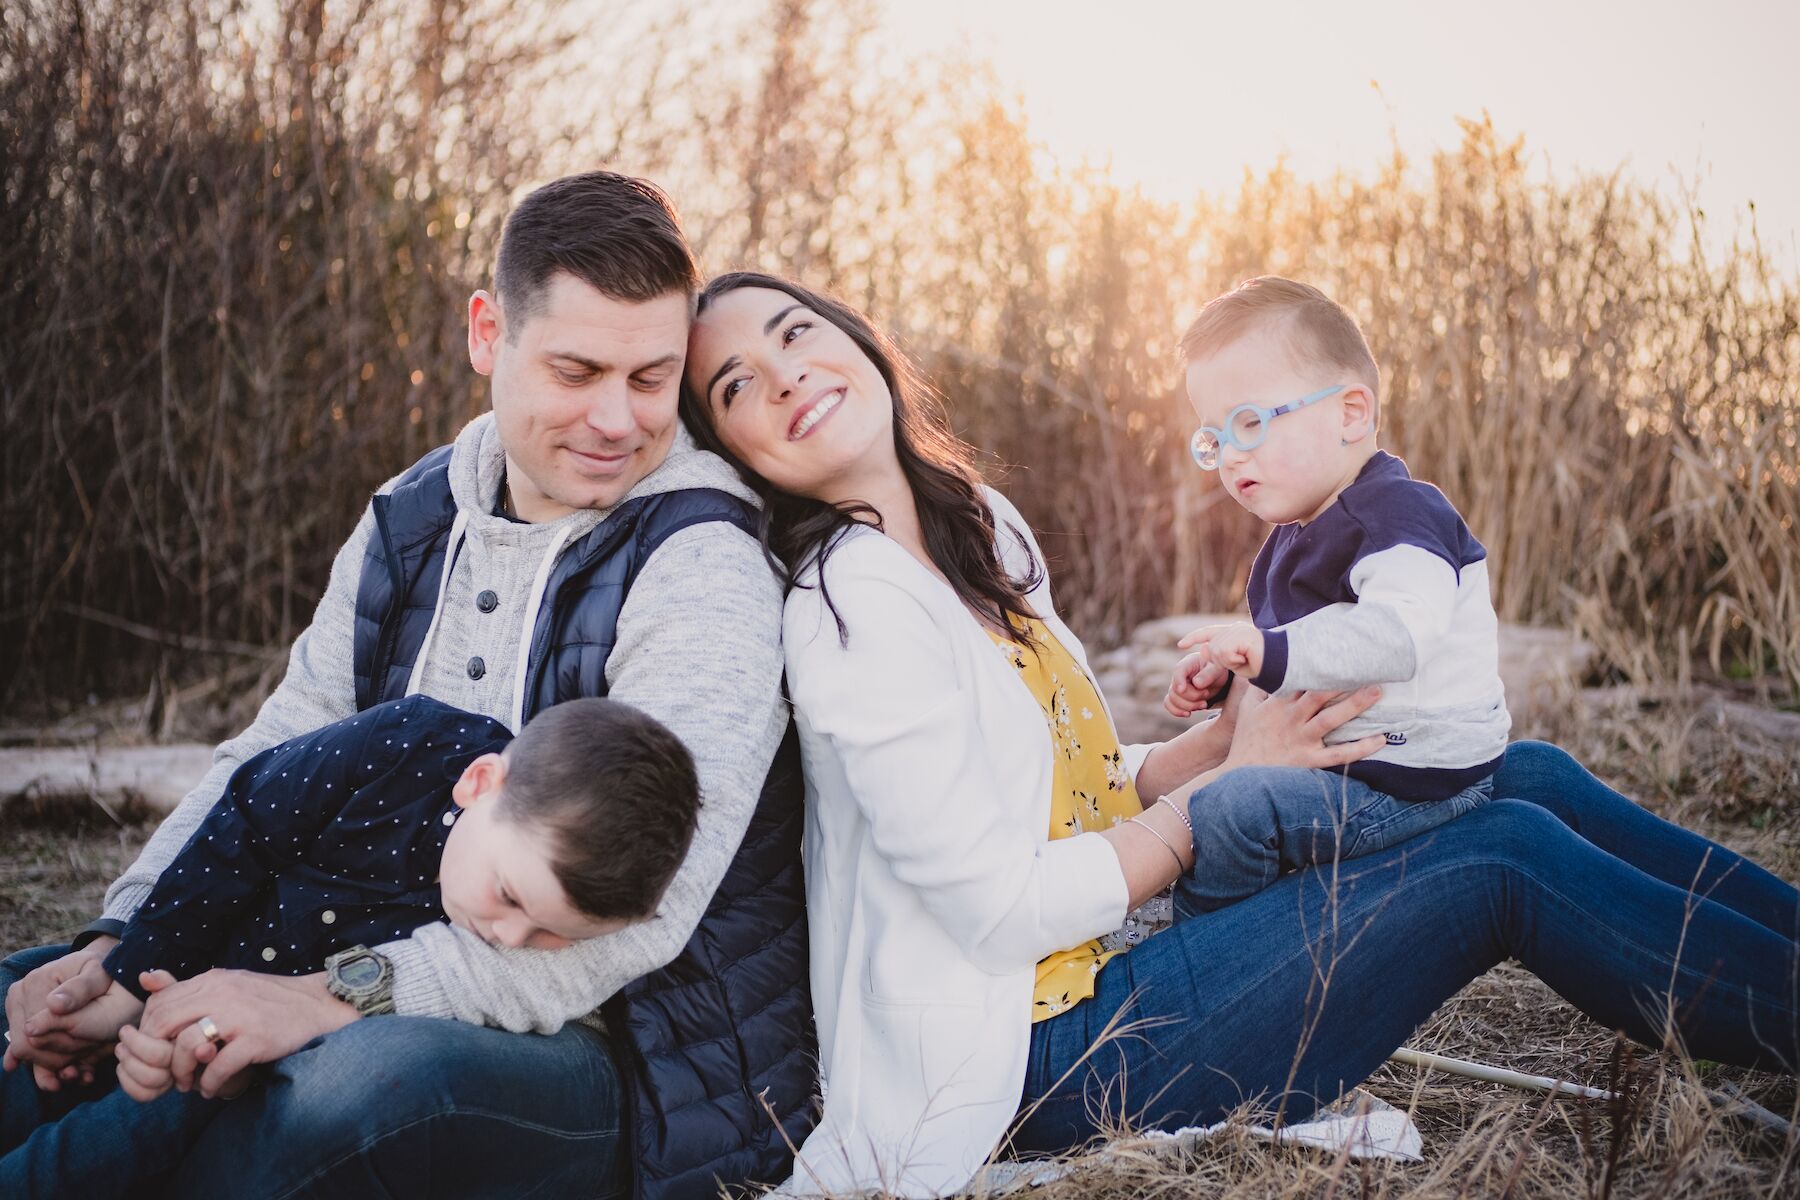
pixel 144 1064
pixel 1198 681
pixel 1236 647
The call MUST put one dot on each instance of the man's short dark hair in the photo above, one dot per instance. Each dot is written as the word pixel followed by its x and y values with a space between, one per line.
pixel 615 795
pixel 617 234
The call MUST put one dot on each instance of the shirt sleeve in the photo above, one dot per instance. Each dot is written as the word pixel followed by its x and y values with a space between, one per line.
pixel 1405 596
pixel 271 811
pixel 699 649
pixel 318 688
pixel 889 701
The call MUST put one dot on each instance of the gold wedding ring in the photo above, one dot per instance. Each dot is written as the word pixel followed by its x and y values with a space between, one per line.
pixel 209 1030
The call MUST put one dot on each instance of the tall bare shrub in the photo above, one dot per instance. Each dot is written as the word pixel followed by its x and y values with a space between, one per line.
pixel 236 240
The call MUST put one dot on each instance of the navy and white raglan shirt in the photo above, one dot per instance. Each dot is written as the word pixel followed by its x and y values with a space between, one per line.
pixel 329 840
pixel 1388 586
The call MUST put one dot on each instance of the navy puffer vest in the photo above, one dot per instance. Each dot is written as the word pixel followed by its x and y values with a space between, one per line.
pixel 711 1045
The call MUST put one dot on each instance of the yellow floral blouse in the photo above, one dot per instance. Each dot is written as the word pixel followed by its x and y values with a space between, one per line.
pixel 1090 789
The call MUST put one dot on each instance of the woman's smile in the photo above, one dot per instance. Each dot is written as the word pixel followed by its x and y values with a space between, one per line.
pixel 807 417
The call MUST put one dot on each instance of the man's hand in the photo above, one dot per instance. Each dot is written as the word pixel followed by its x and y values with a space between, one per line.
pixel 1197 683
pixel 260 1018
pixel 1236 647
pixel 37 1007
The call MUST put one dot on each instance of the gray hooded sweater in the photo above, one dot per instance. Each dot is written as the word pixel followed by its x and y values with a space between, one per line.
pixel 699 649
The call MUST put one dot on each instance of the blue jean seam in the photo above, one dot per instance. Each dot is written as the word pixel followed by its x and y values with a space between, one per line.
pixel 1375 829
pixel 453 1111
pixel 1368 832
pixel 1337 821
pixel 1303 951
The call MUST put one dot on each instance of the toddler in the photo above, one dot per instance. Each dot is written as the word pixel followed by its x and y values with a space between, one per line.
pixel 1368 577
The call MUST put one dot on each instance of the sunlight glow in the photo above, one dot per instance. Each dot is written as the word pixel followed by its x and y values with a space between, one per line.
pixel 1177 97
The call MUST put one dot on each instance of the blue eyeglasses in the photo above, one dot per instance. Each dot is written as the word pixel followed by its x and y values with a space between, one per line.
pixel 1245 428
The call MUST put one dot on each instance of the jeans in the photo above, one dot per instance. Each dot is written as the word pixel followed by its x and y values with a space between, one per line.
pixel 386 1106
pixel 93 1140
pixel 1255 824
pixel 1299 992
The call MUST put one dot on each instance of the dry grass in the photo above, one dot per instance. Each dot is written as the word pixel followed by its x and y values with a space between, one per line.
pixel 1667 1137
pixel 235 238
pixel 1728 769
pixel 55 868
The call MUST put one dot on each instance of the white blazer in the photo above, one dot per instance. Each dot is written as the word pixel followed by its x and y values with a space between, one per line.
pixel 932 886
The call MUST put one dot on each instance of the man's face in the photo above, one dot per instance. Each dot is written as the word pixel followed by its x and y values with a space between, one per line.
pixel 584 391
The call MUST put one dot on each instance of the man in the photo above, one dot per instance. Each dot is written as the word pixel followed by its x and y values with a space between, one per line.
pixel 572 542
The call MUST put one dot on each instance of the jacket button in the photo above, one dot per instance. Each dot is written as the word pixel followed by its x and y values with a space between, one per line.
pixel 487 601
pixel 328 916
pixel 477 668
pixel 268 954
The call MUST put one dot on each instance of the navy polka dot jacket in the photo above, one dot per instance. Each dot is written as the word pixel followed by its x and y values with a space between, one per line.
pixel 328 840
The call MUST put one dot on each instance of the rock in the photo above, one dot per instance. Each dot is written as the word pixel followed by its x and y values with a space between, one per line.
pixel 1539 662
pixel 157 776
pixel 1144 721
pixel 1745 723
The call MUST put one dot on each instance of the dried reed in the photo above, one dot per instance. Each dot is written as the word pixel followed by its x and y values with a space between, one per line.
pixel 238 242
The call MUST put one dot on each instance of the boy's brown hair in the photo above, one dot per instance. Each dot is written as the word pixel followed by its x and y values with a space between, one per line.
pixel 1317 329
pixel 614 794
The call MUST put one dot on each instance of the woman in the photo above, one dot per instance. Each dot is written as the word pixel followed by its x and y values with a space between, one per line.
pixel 976 838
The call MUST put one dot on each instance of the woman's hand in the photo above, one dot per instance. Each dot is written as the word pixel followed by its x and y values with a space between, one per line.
pixel 1289 731
pixel 147 1065
pixel 260 1018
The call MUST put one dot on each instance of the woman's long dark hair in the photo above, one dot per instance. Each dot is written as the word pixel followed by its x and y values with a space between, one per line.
pixel 939 467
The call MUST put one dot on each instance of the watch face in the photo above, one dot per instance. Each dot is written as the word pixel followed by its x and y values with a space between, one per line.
pixel 359 973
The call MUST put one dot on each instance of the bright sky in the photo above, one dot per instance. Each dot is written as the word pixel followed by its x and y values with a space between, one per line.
pixel 1184 95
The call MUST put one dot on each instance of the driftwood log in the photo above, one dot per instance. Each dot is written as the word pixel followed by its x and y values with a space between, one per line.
pixel 1540 666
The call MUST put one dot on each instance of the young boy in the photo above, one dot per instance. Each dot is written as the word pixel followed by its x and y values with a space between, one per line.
pixel 1369 577
pixel 356 834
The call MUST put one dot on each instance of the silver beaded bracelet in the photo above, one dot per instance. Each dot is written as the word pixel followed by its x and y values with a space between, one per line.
pixel 1180 812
